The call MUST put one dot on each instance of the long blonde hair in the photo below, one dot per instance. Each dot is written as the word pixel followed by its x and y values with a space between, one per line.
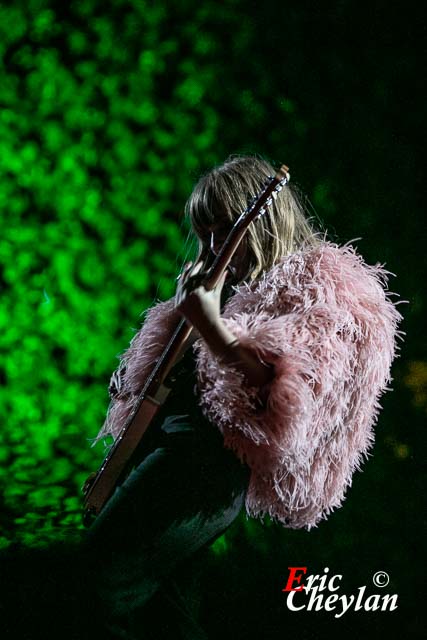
pixel 223 193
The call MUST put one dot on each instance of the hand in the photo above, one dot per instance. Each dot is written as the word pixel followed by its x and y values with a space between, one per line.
pixel 200 307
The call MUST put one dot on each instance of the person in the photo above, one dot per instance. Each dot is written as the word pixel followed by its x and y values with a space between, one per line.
pixel 274 402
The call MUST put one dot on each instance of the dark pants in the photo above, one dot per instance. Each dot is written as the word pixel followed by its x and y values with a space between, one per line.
pixel 182 496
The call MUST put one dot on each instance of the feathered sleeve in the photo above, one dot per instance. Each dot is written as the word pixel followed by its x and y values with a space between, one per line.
pixel 135 365
pixel 323 319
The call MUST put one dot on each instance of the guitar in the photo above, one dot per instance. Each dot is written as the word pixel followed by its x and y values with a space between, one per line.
pixel 100 485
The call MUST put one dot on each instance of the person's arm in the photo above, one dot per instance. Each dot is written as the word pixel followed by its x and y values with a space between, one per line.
pixel 224 344
pixel 201 309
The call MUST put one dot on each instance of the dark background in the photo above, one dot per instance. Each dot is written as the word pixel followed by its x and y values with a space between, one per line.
pixel 109 112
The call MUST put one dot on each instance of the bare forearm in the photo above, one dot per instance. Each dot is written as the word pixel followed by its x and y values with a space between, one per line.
pixel 224 344
pixel 201 308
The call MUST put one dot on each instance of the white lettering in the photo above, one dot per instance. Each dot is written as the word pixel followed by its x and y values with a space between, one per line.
pixel 323 579
pixel 359 604
pixel 290 602
pixel 375 605
pixel 329 602
pixel 345 605
pixel 388 598
pixel 310 582
pixel 331 583
pixel 334 602
pixel 315 601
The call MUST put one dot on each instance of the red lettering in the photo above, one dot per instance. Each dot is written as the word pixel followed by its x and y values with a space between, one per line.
pixel 294 578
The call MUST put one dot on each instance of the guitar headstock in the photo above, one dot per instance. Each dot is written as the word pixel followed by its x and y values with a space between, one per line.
pixel 282 173
pixel 255 209
pixel 264 199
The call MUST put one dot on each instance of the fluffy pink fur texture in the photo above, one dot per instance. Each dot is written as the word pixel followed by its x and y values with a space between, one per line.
pixel 323 318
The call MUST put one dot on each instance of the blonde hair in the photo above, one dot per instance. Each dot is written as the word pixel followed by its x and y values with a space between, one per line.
pixel 223 193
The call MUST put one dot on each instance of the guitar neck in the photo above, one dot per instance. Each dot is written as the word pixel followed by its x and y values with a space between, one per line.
pixel 237 233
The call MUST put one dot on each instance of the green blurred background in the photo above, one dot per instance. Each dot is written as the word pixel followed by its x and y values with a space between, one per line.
pixel 109 112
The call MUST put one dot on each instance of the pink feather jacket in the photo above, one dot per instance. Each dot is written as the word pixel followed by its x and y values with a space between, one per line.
pixel 323 318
